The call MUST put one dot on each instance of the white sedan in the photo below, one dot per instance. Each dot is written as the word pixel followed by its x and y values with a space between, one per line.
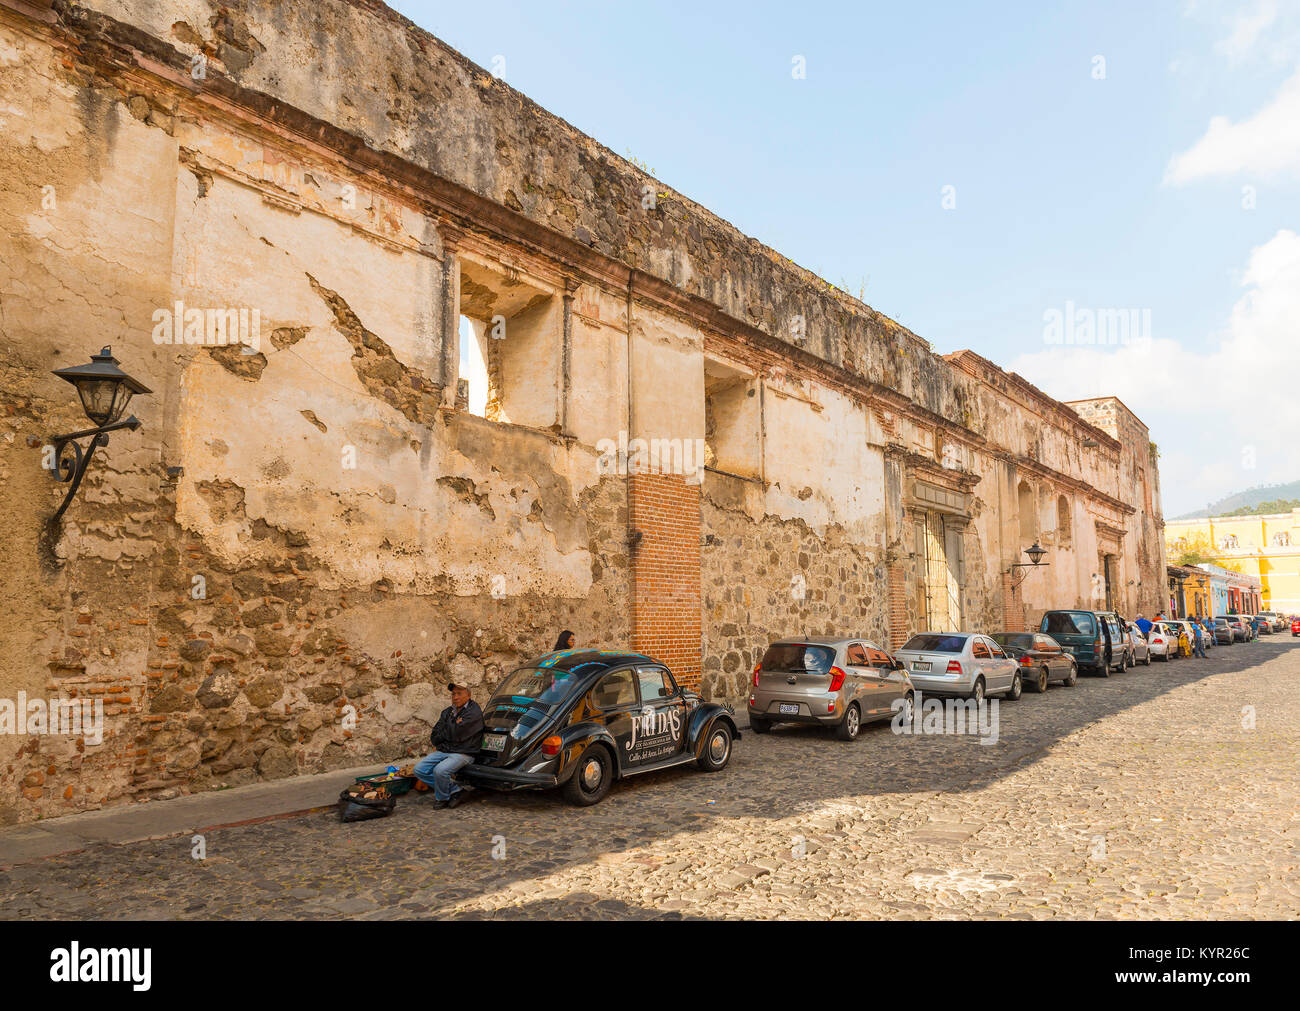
pixel 1163 640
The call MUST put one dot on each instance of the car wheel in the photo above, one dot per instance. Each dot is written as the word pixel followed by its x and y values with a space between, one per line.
pixel 851 724
pixel 759 725
pixel 1147 662
pixel 1040 684
pixel 1073 679
pixel 717 748
pixel 1017 687
pixel 908 711
pixel 1104 669
pixel 592 778
pixel 978 692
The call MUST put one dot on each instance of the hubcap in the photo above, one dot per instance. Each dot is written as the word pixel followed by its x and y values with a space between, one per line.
pixel 591 774
pixel 718 746
pixel 853 722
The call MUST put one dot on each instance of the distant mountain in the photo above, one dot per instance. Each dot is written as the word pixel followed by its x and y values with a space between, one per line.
pixel 1248 499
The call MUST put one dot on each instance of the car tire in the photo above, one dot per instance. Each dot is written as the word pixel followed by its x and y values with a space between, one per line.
pixel 907 714
pixel 1147 662
pixel 1040 683
pixel 1017 688
pixel 595 767
pixel 978 692
pixel 759 725
pixel 717 748
pixel 1073 679
pixel 849 727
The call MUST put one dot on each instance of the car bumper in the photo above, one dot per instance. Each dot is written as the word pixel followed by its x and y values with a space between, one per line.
pixel 942 684
pixel 771 712
pixel 506 779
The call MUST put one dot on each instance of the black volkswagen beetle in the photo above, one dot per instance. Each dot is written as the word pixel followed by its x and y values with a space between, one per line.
pixel 580 719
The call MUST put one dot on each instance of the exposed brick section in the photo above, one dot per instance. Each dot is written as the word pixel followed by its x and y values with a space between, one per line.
pixel 1013 608
pixel 898 623
pixel 666 572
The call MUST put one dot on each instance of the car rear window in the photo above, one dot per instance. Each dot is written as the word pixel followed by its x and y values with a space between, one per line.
pixel 932 643
pixel 541 685
pixel 784 656
pixel 1017 640
pixel 1068 623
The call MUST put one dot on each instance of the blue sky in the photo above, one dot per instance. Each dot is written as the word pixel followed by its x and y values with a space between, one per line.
pixel 1108 186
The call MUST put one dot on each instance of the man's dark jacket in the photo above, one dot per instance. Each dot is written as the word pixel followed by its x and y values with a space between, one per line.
pixel 463 736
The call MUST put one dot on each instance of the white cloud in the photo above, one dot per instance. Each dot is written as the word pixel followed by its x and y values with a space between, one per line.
pixel 1247 26
pixel 1207 409
pixel 1266 144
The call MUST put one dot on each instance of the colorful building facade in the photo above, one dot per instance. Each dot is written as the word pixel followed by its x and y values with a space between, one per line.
pixel 1265 547
pixel 1197 591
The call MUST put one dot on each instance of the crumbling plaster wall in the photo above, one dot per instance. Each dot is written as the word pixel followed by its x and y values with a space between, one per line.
pixel 294 535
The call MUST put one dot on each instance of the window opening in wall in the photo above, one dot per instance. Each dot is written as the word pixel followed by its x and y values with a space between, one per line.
pixel 731 420
pixel 1063 523
pixel 473 368
pixel 511 333
pixel 1025 508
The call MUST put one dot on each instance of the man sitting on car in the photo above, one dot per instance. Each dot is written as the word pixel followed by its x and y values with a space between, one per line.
pixel 457 737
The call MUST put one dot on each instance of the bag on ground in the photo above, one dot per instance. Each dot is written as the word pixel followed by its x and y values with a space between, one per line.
pixel 361 802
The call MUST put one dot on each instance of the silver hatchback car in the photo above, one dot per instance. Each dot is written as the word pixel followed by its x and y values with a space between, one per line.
pixel 840 683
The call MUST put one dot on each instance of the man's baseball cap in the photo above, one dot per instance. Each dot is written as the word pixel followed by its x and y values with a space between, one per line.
pixel 453 687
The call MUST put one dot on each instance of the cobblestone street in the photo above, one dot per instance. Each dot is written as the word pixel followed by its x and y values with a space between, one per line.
pixel 1139 796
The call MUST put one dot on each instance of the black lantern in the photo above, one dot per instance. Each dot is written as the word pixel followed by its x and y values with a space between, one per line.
pixel 1035 553
pixel 105 390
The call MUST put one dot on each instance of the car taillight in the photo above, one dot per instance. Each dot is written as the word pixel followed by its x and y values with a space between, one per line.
pixel 1097 645
pixel 1158 642
pixel 1026 662
pixel 954 667
pixel 757 668
pixel 837 679
pixel 551 746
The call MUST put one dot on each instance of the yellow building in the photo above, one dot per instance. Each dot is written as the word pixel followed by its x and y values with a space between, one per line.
pixel 1266 546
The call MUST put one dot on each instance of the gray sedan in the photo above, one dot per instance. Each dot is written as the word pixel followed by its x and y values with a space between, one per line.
pixel 960 663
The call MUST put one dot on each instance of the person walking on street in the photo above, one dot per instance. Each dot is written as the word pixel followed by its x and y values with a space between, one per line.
pixel 456 738
pixel 1198 638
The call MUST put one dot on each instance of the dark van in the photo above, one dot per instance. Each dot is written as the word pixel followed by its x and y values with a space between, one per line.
pixel 1095 640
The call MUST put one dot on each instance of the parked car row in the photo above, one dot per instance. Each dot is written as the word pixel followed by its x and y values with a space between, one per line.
pixel 578 720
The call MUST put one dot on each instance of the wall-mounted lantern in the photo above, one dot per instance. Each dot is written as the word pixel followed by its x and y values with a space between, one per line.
pixel 105 390
pixel 1035 553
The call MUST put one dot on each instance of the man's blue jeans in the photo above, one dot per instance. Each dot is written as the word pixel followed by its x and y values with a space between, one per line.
pixel 436 771
pixel 1200 647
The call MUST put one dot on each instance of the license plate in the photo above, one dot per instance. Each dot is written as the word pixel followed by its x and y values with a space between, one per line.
pixel 791 710
pixel 920 665
pixel 494 742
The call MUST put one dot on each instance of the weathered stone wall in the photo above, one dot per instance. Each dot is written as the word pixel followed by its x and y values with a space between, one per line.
pixel 764 578
pixel 310 527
